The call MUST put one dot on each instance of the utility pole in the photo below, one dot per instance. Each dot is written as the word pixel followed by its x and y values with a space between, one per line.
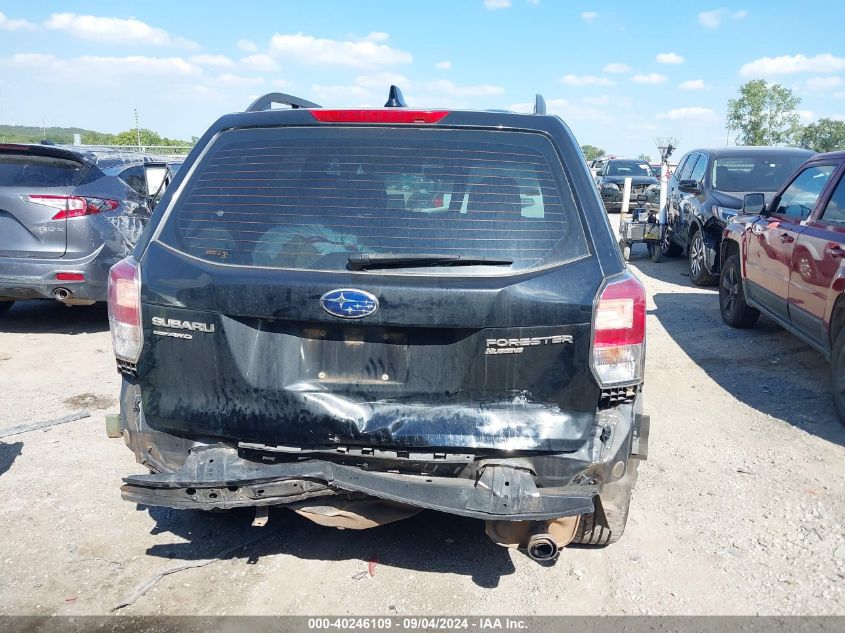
pixel 137 129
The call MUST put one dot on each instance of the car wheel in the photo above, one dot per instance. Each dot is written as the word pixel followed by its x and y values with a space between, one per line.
pixel 607 527
pixel 697 270
pixel 5 305
pixel 837 375
pixel 735 312
pixel 668 248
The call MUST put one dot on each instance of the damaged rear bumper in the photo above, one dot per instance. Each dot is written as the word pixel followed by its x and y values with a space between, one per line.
pixel 218 477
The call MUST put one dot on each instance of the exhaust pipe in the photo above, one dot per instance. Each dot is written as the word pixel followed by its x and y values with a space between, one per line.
pixel 61 294
pixel 542 547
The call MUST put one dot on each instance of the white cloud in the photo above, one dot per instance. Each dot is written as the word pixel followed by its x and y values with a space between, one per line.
pixel 444 65
pixel 492 5
pixel 281 84
pixel 616 68
pixel 692 84
pixel 259 62
pixel 822 84
pixel 383 81
pixel 688 114
pixel 589 16
pixel 450 88
pixel 712 19
pixel 369 52
pixel 602 100
pixel 669 58
pixel 8 24
pixel 114 30
pixel 219 61
pixel 97 66
pixel 247 45
pixel 650 79
pixel 229 79
pixel 805 116
pixel 585 80
pixel 788 64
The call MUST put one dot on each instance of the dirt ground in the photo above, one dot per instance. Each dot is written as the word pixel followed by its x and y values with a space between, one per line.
pixel 739 509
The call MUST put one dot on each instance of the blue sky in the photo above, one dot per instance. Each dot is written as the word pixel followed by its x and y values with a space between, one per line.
pixel 619 73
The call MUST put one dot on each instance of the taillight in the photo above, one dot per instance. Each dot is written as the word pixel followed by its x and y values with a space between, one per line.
pixel 388 115
pixel 73 206
pixel 618 355
pixel 125 309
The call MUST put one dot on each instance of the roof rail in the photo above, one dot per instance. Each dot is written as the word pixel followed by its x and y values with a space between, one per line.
pixel 266 102
pixel 539 104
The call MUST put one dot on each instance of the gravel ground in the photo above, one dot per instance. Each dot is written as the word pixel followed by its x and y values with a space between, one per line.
pixel 739 509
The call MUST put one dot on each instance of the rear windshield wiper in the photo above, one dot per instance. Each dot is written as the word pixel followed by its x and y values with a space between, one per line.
pixel 369 261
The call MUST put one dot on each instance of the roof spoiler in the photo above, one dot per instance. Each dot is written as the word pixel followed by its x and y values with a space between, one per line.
pixel 266 102
pixel 51 151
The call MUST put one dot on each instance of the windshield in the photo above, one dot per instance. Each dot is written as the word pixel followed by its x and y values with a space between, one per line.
pixel 628 168
pixel 754 173
pixel 312 197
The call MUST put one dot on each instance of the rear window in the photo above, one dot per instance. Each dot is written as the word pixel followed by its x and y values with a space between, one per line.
pixel 628 168
pixel 754 173
pixel 26 170
pixel 309 198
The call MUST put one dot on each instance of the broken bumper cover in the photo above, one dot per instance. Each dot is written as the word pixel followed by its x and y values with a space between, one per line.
pixel 218 477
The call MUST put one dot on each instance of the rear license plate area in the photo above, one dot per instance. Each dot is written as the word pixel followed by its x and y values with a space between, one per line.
pixel 353 355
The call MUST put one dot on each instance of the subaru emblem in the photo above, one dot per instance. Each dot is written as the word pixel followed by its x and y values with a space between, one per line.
pixel 349 303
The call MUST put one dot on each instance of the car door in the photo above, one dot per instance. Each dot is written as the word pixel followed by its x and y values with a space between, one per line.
pixel 772 238
pixel 817 261
pixel 692 200
pixel 673 200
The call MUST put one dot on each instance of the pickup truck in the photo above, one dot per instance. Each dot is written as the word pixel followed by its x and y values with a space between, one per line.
pixel 784 259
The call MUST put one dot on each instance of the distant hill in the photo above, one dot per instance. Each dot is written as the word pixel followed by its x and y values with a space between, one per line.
pixel 33 134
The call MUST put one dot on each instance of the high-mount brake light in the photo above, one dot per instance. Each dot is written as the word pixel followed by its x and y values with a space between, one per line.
pixel 72 206
pixel 618 350
pixel 125 309
pixel 388 115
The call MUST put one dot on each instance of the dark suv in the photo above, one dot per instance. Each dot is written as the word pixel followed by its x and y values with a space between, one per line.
pixel 610 181
pixel 300 327
pixel 707 190
pixel 67 214
pixel 784 258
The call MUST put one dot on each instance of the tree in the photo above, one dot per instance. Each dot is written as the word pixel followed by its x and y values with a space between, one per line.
pixel 591 152
pixel 825 135
pixel 148 137
pixel 764 114
pixel 644 157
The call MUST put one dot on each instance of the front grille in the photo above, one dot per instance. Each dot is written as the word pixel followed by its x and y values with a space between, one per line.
pixel 616 396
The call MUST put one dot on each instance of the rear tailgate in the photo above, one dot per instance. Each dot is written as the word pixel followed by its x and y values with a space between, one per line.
pixel 239 345
pixel 34 183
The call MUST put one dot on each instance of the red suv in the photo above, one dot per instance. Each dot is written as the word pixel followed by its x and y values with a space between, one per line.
pixel 785 259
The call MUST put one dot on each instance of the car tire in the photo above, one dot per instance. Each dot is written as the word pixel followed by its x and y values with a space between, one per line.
pixel 591 531
pixel 5 305
pixel 667 247
pixel 697 270
pixel 735 312
pixel 837 374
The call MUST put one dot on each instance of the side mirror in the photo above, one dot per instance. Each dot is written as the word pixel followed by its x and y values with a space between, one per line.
pixel 689 185
pixel 157 176
pixel 754 204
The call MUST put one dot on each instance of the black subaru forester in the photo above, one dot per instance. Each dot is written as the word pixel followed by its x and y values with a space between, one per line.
pixel 360 314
